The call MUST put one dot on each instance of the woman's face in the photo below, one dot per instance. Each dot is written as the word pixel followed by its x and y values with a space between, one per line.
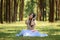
pixel 31 16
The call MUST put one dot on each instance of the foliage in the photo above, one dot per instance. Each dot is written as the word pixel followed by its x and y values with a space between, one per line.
pixel 30 5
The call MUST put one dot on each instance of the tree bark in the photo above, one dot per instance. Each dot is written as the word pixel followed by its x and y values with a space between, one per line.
pixel 21 10
pixel 7 15
pixel 1 13
pixel 56 10
pixel 14 16
pixel 51 14
pixel 4 10
pixel 40 10
pixel 44 10
pixel 37 18
pixel 11 9
pixel 59 9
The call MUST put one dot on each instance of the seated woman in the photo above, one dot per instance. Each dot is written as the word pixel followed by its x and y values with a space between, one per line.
pixel 30 22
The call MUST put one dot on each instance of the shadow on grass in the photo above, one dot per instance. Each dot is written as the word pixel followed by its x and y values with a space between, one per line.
pixel 58 25
pixel 51 31
pixel 3 35
pixel 1 28
pixel 50 37
pixel 8 34
pixel 11 36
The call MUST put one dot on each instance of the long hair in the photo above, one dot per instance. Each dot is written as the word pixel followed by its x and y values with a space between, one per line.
pixel 32 18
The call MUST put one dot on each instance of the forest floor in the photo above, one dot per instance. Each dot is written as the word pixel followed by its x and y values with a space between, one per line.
pixel 9 31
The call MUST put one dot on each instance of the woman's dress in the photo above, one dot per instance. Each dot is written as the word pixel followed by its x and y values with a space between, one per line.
pixel 31 33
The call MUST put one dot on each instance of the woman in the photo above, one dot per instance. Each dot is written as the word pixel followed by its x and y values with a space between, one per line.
pixel 31 21
pixel 30 28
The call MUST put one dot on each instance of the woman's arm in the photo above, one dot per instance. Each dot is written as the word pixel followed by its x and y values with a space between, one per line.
pixel 33 22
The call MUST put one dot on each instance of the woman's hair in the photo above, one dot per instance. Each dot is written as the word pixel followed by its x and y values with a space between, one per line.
pixel 33 15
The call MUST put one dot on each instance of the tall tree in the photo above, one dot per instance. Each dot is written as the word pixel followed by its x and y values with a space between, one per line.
pixel 21 10
pixel 56 3
pixel 7 11
pixel 4 10
pixel 14 16
pixel 37 10
pixel 44 10
pixel 51 14
pixel 58 9
pixel 40 9
pixel 1 13
pixel 11 10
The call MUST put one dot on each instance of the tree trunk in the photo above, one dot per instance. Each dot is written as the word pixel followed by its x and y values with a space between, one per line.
pixel 37 18
pixel 14 16
pixel 51 14
pixel 21 10
pixel 7 11
pixel 44 10
pixel 1 13
pixel 4 10
pixel 11 10
pixel 56 10
pixel 37 14
pixel 40 10
pixel 59 9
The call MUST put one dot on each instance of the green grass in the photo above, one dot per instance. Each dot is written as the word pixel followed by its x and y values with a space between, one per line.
pixel 8 31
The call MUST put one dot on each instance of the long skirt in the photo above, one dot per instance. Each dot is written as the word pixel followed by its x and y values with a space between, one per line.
pixel 31 33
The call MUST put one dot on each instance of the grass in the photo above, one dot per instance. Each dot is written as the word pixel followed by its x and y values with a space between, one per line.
pixel 8 31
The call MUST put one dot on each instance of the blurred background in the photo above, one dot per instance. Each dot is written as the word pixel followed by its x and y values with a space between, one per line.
pixel 13 14
pixel 18 10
